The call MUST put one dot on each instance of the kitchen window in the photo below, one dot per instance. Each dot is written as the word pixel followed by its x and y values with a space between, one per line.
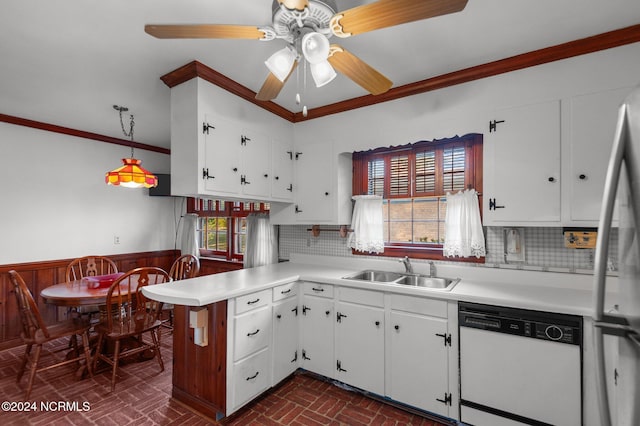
pixel 413 181
pixel 222 226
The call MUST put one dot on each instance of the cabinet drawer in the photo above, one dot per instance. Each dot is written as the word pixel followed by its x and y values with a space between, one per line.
pixel 250 378
pixel 362 297
pixel 285 291
pixel 419 305
pixel 252 332
pixel 317 289
pixel 252 301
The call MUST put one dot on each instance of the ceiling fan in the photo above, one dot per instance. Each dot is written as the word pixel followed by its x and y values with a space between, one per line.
pixel 306 26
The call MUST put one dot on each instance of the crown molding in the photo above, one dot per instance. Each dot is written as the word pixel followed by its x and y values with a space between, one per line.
pixel 80 133
pixel 558 52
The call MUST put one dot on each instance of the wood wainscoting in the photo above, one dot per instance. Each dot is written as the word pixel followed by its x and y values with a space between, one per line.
pixel 39 275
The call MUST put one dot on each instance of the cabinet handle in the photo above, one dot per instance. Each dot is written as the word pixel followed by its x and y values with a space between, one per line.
pixel 243 140
pixel 305 309
pixel 290 188
pixel 285 291
pixel 254 333
pixel 339 366
pixel 582 177
pixel 327 313
pixel 377 323
pixel 446 337
pixel 492 204
pixel 295 310
pixel 243 180
pixel 446 400
pixel 254 376
pixel 297 210
pixel 397 327
pixel 206 126
pixel 339 316
pixel 277 177
pixel 551 179
pixel 205 174
pixel 266 175
pixel 278 316
pixel 295 357
pixel 235 169
pixel 317 289
pixel 251 302
pixel 304 355
pixel 298 154
pixel 326 194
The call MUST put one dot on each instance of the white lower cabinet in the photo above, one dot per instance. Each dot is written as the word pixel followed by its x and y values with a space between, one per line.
pixel 248 345
pixel 285 331
pixel 360 339
pixel 397 346
pixel 317 329
pixel 418 349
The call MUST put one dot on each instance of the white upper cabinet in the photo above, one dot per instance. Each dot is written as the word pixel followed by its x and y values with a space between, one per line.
pixel 321 187
pixel 282 165
pixel 592 126
pixel 223 147
pixel 522 166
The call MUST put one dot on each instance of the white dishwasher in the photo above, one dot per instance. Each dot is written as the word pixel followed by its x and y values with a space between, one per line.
pixel 519 367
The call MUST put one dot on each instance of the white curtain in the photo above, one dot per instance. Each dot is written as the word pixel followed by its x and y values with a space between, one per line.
pixel 367 224
pixel 189 236
pixel 262 241
pixel 462 226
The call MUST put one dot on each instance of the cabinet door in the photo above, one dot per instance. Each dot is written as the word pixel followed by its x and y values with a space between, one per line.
pixel 522 166
pixel 314 177
pixel 285 339
pixel 256 164
pixel 282 170
pixel 360 346
pixel 222 156
pixel 418 361
pixel 317 335
pixel 593 124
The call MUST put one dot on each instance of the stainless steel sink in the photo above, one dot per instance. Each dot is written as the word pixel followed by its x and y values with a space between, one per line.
pixel 408 279
pixel 379 276
pixel 430 282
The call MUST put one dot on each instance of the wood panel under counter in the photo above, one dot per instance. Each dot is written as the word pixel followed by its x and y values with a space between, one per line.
pixel 199 372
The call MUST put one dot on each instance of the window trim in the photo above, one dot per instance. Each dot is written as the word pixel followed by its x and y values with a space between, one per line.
pixel 231 210
pixel 473 179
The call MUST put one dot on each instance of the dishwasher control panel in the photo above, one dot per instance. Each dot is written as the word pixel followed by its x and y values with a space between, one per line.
pixel 560 328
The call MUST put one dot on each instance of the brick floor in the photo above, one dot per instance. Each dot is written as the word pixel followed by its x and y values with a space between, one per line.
pixel 143 397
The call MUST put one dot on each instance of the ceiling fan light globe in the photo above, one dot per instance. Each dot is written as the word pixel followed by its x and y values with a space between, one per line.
pixel 315 47
pixel 322 73
pixel 280 63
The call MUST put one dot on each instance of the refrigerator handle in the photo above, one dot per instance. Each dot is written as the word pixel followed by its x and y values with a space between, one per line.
pixel 602 253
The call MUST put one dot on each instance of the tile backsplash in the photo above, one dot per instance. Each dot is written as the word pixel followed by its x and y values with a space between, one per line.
pixel 544 247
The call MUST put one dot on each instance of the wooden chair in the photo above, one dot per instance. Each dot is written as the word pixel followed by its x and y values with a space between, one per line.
pixel 36 333
pixel 186 266
pixel 129 316
pixel 89 266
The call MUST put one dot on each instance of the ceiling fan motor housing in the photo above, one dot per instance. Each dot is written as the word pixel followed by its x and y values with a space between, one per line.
pixel 316 17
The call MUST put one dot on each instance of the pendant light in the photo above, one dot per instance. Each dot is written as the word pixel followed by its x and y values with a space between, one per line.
pixel 131 174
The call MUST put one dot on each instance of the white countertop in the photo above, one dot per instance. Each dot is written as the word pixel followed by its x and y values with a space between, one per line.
pixel 547 291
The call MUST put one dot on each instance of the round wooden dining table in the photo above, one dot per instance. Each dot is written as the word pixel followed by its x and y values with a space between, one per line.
pixel 75 293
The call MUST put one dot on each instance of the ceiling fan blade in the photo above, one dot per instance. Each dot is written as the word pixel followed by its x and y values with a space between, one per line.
pixel 272 86
pixel 358 70
pixel 387 13
pixel 204 31
pixel 294 4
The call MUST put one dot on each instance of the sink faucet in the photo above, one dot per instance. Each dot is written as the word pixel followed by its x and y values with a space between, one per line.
pixel 432 269
pixel 407 264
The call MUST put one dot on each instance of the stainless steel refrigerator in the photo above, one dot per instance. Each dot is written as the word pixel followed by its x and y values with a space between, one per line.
pixel 622 400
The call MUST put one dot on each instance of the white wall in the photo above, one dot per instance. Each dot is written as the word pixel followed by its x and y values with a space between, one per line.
pixel 467 108
pixel 55 204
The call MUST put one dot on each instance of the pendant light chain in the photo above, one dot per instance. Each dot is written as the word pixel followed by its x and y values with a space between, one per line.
pixel 131 125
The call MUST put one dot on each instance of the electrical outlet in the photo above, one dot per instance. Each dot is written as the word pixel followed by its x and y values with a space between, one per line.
pixel 116 239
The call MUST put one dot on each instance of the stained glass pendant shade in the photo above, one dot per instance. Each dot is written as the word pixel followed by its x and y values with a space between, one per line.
pixel 131 174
